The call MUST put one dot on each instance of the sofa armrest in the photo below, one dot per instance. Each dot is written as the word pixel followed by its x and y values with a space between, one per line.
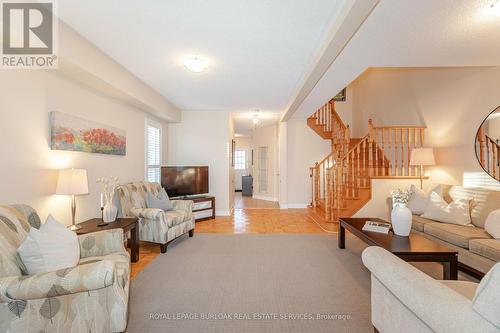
pixel 439 307
pixel 186 205
pixel 82 278
pixel 101 243
pixel 147 213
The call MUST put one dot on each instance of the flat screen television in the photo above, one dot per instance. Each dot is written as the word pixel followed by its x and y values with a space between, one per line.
pixel 181 181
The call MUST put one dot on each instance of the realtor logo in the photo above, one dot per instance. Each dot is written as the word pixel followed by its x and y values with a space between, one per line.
pixel 28 35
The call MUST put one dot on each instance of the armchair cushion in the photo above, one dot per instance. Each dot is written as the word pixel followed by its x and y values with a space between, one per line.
pixel 101 243
pixel 439 307
pixel 487 301
pixel 146 213
pixel 49 248
pixel 186 205
pixel 85 277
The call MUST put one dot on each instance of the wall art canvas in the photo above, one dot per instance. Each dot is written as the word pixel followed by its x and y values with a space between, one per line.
pixel 77 134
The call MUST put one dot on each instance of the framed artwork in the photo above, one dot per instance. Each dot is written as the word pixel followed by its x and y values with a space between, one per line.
pixel 72 133
pixel 340 97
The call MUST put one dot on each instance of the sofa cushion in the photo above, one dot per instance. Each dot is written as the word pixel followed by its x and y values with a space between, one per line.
pixel 491 204
pixel 419 198
pixel 418 222
pixel 455 212
pixel 478 196
pixel 455 234
pixel 489 248
pixel 465 288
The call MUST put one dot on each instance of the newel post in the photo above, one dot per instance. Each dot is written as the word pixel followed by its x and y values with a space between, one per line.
pixel 370 130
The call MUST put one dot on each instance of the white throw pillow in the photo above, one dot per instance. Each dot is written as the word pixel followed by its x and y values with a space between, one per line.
pixel 418 199
pixel 456 212
pixel 492 224
pixel 49 248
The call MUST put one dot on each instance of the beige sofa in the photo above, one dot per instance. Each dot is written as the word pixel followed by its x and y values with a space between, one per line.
pixel 477 250
pixel 404 299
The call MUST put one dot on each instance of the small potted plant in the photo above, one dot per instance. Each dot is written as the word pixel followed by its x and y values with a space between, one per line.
pixel 401 218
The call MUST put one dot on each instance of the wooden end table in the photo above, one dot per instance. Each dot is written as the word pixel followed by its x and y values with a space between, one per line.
pixel 126 223
pixel 414 248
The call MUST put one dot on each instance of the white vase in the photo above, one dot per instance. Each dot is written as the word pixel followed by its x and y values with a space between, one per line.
pixel 401 219
pixel 109 213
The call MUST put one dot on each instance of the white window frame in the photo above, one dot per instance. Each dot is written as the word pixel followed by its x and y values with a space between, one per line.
pixel 152 123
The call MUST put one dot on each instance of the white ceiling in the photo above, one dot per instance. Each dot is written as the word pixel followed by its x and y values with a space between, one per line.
pixel 258 50
pixel 243 121
pixel 411 33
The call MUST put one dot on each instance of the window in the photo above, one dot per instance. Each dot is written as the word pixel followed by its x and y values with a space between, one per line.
pixel 153 151
pixel 240 158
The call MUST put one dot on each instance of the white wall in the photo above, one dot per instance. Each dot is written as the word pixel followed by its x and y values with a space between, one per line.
pixel 28 171
pixel 266 136
pixel 305 147
pixel 202 138
pixel 451 102
pixel 283 164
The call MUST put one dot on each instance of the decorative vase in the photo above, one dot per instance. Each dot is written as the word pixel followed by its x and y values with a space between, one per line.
pixel 109 213
pixel 401 219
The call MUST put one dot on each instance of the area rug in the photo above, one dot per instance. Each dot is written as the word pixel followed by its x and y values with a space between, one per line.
pixel 254 283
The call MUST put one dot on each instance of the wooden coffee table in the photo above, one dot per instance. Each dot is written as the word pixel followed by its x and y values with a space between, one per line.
pixel 413 248
pixel 125 223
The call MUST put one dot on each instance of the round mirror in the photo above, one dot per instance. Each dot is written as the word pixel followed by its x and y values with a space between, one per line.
pixel 488 144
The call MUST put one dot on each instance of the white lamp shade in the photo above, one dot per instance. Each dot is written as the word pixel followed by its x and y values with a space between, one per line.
pixel 72 182
pixel 422 156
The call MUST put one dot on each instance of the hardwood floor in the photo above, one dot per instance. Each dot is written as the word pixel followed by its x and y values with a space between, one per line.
pixel 244 202
pixel 248 221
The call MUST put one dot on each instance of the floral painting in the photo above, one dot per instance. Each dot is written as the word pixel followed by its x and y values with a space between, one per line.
pixel 77 134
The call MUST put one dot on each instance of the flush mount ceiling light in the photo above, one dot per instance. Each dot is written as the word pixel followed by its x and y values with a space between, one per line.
pixel 256 117
pixel 196 64
pixel 495 8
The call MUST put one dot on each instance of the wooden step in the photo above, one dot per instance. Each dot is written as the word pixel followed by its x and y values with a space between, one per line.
pixel 319 129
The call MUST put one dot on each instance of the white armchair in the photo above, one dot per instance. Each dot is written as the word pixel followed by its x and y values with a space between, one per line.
pixel 404 299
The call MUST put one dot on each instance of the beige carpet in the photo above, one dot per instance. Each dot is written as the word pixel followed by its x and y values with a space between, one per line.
pixel 255 283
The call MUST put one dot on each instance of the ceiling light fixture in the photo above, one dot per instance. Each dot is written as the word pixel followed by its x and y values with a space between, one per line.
pixel 196 64
pixel 256 117
pixel 495 8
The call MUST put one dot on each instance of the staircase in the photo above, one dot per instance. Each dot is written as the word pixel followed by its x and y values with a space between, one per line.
pixel 341 182
pixel 488 152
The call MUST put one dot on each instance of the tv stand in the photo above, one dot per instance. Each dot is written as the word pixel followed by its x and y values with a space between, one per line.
pixel 204 206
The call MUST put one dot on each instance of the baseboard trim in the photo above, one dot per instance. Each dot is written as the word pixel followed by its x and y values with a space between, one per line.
pixel 264 197
pixel 222 213
pixel 283 206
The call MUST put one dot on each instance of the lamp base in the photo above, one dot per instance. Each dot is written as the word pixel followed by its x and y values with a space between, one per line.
pixel 74 227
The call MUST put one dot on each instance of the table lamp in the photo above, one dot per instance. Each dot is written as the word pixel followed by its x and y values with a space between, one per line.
pixel 72 182
pixel 422 156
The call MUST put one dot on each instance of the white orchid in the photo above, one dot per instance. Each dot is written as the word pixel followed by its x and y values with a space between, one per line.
pixel 108 188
